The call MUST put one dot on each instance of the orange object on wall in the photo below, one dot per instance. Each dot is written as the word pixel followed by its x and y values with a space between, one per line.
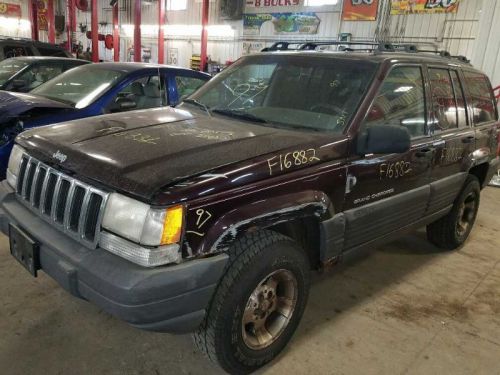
pixel 360 10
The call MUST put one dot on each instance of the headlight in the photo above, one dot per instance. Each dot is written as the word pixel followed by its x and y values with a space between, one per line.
pixel 16 156
pixel 155 233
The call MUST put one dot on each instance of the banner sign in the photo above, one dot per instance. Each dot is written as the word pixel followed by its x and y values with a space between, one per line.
pixel 360 10
pixel 424 6
pixel 272 3
pixel 43 24
pixel 10 10
pixel 283 23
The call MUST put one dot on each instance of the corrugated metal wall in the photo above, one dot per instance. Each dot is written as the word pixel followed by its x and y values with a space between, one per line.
pixel 454 32
pixel 487 52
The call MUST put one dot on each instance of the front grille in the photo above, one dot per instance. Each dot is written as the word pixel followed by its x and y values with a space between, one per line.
pixel 72 206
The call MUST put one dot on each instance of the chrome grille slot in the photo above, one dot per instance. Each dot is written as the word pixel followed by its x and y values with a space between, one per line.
pixel 76 208
pixel 73 206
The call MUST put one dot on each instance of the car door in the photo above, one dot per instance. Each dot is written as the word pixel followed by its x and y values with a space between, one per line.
pixel 454 139
pixel 387 192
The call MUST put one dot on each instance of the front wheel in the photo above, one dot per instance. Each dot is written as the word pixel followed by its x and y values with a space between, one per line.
pixel 451 231
pixel 258 303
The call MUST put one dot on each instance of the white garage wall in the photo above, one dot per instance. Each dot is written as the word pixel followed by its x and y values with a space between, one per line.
pixel 487 51
pixel 454 32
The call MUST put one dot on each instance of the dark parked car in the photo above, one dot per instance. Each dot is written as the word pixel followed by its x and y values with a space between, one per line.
pixel 15 47
pixel 91 90
pixel 210 217
pixel 23 74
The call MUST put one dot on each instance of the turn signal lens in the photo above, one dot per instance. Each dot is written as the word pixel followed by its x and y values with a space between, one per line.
pixel 172 226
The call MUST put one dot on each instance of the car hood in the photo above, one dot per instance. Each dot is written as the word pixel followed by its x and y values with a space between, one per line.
pixel 13 104
pixel 142 151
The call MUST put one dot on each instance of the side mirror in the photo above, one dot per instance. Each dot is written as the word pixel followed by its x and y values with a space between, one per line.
pixel 18 84
pixel 125 104
pixel 384 139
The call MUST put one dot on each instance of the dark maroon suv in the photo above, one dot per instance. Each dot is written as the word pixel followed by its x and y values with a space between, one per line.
pixel 209 218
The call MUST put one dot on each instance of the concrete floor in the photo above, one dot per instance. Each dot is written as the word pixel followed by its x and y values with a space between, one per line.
pixel 405 309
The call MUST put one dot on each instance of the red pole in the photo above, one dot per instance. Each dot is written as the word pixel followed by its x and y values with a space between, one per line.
pixel 95 32
pixel 204 34
pixel 71 23
pixel 51 27
pixel 137 31
pixel 161 36
pixel 33 14
pixel 116 34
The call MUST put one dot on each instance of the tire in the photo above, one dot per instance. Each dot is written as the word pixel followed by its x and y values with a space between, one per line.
pixel 257 261
pixel 451 231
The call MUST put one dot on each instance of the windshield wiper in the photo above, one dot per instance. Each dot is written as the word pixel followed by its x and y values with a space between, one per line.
pixel 239 114
pixel 198 104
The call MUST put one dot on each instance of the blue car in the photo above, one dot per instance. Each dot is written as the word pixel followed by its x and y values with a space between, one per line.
pixel 92 90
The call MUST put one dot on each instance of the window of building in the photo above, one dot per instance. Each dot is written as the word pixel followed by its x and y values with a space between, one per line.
pixel 176 4
pixel 400 101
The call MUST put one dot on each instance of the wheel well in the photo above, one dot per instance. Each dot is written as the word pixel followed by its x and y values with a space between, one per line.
pixel 480 171
pixel 306 232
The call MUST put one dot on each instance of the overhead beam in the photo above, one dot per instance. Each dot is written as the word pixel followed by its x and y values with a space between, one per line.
pixel 204 34
pixel 161 35
pixel 95 31
pixel 137 31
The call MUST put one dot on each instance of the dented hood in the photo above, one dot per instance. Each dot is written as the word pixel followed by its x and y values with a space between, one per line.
pixel 13 104
pixel 142 151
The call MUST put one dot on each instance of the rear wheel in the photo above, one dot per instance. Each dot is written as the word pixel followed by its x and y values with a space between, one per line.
pixel 258 303
pixel 451 231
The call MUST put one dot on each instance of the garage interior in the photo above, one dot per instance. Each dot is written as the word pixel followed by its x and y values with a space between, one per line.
pixel 404 308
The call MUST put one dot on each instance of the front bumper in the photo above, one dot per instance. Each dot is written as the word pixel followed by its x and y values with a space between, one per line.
pixel 165 299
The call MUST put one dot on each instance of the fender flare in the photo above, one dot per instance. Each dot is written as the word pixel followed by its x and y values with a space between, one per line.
pixel 264 213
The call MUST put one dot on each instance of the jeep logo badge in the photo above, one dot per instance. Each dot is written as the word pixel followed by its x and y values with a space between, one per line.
pixel 59 156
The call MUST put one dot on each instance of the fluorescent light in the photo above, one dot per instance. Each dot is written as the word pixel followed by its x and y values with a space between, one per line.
pixel 403 89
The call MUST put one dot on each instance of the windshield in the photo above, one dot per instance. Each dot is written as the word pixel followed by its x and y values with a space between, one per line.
pixel 10 67
pixel 312 93
pixel 79 86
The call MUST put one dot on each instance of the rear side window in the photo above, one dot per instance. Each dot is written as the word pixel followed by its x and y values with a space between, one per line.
pixel 51 52
pixel 14 51
pixel 460 99
pixel 444 104
pixel 482 100
pixel 400 101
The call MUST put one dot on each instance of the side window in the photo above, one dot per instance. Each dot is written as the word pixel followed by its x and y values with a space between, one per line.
pixel 51 52
pixel 444 105
pixel 145 92
pixel 187 85
pixel 40 73
pixel 482 100
pixel 460 98
pixel 400 101
pixel 14 51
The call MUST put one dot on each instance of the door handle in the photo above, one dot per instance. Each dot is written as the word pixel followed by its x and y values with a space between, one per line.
pixel 424 152
pixel 468 139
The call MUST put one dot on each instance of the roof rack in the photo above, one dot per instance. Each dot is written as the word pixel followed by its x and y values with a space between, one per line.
pixel 375 47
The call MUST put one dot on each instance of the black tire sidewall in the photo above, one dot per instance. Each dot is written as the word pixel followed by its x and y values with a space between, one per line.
pixel 471 185
pixel 281 255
